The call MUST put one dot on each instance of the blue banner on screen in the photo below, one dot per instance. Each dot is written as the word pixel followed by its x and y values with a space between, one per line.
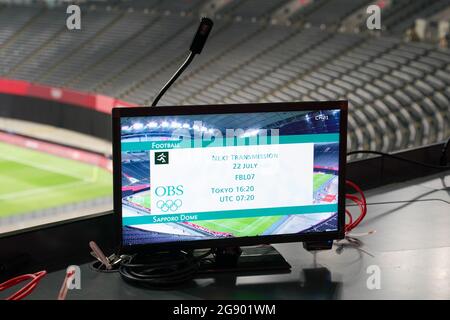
pixel 203 177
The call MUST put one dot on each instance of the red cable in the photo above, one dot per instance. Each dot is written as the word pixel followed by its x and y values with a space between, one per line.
pixel 25 290
pixel 360 217
pixel 362 204
pixel 350 217
pixel 363 209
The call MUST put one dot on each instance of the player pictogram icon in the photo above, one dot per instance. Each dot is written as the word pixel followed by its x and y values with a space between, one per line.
pixel 161 157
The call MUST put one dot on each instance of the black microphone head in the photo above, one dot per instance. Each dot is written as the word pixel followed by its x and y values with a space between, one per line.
pixel 202 34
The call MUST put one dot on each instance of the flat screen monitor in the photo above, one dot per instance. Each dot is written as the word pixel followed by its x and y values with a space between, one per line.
pixel 229 175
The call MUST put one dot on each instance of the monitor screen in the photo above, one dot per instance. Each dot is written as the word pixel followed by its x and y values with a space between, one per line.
pixel 204 177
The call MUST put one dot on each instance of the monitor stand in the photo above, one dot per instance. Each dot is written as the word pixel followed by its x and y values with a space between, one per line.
pixel 245 261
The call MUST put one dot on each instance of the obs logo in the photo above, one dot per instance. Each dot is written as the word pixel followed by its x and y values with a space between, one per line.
pixel 169 205
pixel 169 191
pixel 166 205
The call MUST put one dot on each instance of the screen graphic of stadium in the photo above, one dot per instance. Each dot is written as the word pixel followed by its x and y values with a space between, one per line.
pixel 198 177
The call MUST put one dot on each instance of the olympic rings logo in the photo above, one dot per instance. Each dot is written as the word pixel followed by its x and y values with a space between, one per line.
pixel 169 205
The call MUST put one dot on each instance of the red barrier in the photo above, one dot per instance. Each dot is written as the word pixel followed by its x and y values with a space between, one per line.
pixel 216 233
pixel 327 168
pixel 88 100
pixel 136 188
pixel 58 150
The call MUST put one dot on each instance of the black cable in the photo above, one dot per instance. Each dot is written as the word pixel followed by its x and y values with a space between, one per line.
pixel 404 205
pixel 180 70
pixel 98 266
pixel 161 269
pixel 399 202
pixel 443 161
pixel 388 155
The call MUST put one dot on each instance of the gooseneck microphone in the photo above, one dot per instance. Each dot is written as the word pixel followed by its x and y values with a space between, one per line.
pixel 197 45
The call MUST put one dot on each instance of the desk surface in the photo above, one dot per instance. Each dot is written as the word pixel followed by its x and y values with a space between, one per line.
pixel 411 247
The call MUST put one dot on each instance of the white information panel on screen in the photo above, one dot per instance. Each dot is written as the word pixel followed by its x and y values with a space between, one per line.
pixel 191 180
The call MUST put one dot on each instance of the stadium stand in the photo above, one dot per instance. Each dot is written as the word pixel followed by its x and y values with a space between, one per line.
pixel 324 225
pixel 332 12
pixel 138 171
pixel 326 155
pixel 404 12
pixel 129 49
pixel 136 236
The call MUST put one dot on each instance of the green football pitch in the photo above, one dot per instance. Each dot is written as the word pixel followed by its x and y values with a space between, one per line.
pixel 320 179
pixel 142 199
pixel 237 227
pixel 240 227
pixel 31 180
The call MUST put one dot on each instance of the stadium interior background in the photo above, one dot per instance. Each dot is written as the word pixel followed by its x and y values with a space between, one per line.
pixel 57 86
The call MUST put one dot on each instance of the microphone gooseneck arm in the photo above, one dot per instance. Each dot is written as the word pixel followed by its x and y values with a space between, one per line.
pixel 197 45
pixel 169 83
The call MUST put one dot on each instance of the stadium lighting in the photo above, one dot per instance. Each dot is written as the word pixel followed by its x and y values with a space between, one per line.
pixel 250 133
pixel 175 124
pixel 196 127
pixel 125 128
pixel 152 124
pixel 138 126
pixel 186 126
pixel 204 129
pixel 164 124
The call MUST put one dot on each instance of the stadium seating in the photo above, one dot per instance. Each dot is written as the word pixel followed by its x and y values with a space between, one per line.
pixel 397 88
pixel 403 13
pixel 137 171
pixel 331 12
pixel 326 155
pixel 324 225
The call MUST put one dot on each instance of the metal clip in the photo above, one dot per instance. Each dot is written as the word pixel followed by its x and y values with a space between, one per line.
pixel 110 261
pixel 98 254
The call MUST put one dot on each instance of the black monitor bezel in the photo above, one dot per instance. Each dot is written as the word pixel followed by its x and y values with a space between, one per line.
pixel 118 113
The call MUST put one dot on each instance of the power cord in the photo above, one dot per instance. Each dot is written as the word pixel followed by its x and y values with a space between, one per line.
pixel 418 163
pixel 161 270
pixel 401 202
pixel 443 161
